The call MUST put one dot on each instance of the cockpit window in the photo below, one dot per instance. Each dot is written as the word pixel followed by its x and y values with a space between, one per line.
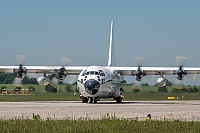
pixel 92 73
pixel 101 73
pixel 87 73
pixel 96 73
pixel 83 74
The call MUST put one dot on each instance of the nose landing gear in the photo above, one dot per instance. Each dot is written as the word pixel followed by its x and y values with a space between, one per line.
pixel 89 99
pixel 93 99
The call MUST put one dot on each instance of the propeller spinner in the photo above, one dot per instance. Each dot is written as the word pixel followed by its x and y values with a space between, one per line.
pixel 60 73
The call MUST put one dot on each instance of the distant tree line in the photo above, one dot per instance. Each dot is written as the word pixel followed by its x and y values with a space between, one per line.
pixel 9 78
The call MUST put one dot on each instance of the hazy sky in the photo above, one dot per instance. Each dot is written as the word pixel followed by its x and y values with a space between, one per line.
pixel 46 30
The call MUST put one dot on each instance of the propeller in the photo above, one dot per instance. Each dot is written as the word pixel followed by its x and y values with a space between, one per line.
pixel 65 61
pixel 137 85
pixel 139 61
pixel 21 59
pixel 60 73
pixel 70 79
pixel 180 60
pixel 139 72
pixel 17 82
pixel 21 71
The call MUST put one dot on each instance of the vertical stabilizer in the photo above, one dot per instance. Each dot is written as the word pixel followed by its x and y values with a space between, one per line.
pixel 111 56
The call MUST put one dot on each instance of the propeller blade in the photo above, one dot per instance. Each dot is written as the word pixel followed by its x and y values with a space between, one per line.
pixel 180 60
pixel 178 83
pixel 60 73
pixel 17 81
pixel 71 79
pixel 65 61
pixel 137 85
pixel 21 59
pixel 31 75
pixel 195 75
pixel 139 61
pixel 54 82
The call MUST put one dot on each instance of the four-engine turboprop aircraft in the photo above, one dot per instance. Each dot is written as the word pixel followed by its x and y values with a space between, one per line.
pixel 95 82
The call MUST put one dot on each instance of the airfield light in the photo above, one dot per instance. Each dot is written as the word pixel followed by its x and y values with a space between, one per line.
pixel 148 117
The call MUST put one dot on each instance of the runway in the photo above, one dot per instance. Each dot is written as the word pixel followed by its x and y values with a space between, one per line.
pixel 159 110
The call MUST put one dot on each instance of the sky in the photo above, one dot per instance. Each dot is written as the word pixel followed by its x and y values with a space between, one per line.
pixel 46 30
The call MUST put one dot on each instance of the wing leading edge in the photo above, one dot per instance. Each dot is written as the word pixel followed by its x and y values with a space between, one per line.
pixel 130 71
pixel 71 70
pixel 126 71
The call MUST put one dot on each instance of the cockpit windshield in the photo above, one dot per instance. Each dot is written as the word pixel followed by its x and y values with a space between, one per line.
pixel 92 73
pixel 96 73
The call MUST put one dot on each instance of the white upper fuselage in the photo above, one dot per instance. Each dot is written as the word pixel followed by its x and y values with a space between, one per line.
pixel 97 81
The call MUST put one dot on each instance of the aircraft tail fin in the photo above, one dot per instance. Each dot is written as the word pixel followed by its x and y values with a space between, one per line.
pixel 111 57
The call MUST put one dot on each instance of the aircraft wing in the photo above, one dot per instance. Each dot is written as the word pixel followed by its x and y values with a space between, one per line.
pixel 71 70
pixel 130 71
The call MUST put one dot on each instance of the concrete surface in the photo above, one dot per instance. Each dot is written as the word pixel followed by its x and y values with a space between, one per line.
pixel 182 110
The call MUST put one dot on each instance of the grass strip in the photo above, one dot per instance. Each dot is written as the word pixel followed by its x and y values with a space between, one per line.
pixel 105 125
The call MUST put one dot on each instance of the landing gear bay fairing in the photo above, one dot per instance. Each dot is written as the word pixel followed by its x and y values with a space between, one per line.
pixel 95 82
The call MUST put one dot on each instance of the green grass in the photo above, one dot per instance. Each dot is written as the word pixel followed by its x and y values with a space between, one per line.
pixel 105 125
pixel 146 93
pixel 39 97
pixel 161 96
pixel 72 97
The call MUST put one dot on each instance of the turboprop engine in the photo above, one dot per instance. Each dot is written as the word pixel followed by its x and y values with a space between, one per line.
pixel 161 82
pixel 43 80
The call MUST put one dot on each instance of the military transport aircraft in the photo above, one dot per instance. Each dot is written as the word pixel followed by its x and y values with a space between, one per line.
pixel 95 82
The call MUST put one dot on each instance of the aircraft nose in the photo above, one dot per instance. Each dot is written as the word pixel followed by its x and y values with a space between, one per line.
pixel 92 86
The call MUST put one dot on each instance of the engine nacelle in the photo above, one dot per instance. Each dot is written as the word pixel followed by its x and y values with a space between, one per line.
pixel 43 80
pixel 161 82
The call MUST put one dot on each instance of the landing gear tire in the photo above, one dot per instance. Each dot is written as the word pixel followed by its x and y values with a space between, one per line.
pixel 95 100
pixel 91 100
pixel 84 100
pixel 118 99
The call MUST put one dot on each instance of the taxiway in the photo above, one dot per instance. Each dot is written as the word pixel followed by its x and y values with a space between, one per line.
pixel 182 110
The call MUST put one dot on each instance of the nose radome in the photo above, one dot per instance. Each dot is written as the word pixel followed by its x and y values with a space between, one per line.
pixel 92 86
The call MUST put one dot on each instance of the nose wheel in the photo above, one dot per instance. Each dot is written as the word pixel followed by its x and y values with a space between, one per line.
pixel 93 99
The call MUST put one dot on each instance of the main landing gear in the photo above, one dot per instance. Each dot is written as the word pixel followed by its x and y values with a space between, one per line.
pixel 119 98
pixel 84 99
